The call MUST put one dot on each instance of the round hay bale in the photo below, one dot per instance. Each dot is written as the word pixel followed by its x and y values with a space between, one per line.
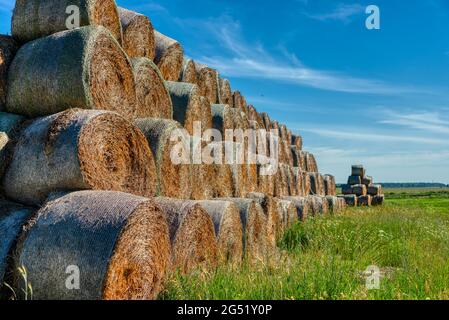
pixel 118 242
pixel 319 205
pixel 153 98
pixel 358 170
pixel 173 179
pixel 378 200
pixel 138 34
pixel 273 213
pixel 281 182
pixel 298 182
pixel 228 229
pixel 203 175
pixel 303 206
pixel 291 180
pixel 364 201
pixel 222 182
pixel 82 68
pixel 207 82
pixel 266 120
pixel 222 118
pixel 169 56
pixel 187 107
pixel 206 113
pixel 351 200
pixel 359 190
pixel 76 150
pixel 225 92
pixel 296 141
pixel 239 102
pixel 34 19
pixel 317 184
pixel 8 49
pixel 10 126
pixel 289 214
pixel 330 187
pixel 333 204
pixel 266 182
pixel 191 233
pixel 306 183
pixel 254 225
pixel 188 72
pixel 311 164
pixel 13 217
pixel 373 190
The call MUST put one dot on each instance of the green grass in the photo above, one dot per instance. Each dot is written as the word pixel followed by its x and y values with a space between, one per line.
pixel 325 257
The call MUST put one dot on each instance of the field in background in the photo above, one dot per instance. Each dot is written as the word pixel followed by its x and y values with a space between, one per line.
pixel 325 258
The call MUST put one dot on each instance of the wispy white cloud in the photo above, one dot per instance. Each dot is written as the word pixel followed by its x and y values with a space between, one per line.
pixel 355 134
pixel 241 59
pixel 343 12
pixel 426 121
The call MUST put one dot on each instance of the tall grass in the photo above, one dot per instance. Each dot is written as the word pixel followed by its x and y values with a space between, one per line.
pixel 325 258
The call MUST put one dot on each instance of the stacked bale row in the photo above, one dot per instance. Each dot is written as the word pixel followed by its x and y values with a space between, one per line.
pixel 98 149
pixel 360 190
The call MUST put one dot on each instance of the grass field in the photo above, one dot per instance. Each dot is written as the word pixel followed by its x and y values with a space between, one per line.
pixel 325 257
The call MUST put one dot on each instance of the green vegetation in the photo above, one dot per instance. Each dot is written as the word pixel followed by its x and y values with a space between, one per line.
pixel 325 257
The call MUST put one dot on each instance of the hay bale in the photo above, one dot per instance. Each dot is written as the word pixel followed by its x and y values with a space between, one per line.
pixel 138 34
pixel 353 180
pixel 378 200
pixel 375 190
pixel 289 215
pixel 297 141
pixel 169 56
pixel 191 233
pixel 307 183
pixel 82 68
pixel 273 213
pixel 265 180
pixel 8 49
pixel 222 182
pixel 266 120
pixel 206 113
pixel 351 200
pixel 188 71
pixel 330 187
pixel 281 187
pixel 187 107
pixel 347 189
pixel 317 184
pixel 302 205
pixel 173 179
pixel 222 118
pixel 13 217
pixel 34 19
pixel 299 158
pixel 228 229
pixel 225 92
pixel 119 240
pixel 203 175
pixel 153 98
pixel 334 204
pixel 311 163
pixel 291 180
pixel 318 205
pixel 239 102
pixel 358 170
pixel 364 201
pixel 367 181
pixel 359 190
pixel 79 149
pixel 207 82
pixel 254 226
pixel 298 183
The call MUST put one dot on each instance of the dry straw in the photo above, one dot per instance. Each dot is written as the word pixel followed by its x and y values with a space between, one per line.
pixel 296 141
pixel 153 98
pixel 317 184
pixel 82 68
pixel 8 49
pixel 138 34
pixel 169 56
pixel 10 126
pixel 222 183
pixel 186 104
pixel 118 242
pixel 254 225
pixel 203 175
pixel 329 185
pixel 222 118
pixel 79 149
pixel 207 82
pixel 289 215
pixel 302 205
pixel 191 233
pixel 174 179
pixel 240 102
pixel 13 218
pixel 34 19
pixel 225 92
pixel 188 72
pixel 228 229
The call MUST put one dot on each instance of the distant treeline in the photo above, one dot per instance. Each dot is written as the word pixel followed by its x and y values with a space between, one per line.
pixel 412 185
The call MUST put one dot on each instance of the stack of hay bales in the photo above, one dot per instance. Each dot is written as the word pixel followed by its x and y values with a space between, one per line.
pixel 360 189
pixel 98 140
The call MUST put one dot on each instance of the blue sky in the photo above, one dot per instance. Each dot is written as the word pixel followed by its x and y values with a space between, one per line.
pixel 376 97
